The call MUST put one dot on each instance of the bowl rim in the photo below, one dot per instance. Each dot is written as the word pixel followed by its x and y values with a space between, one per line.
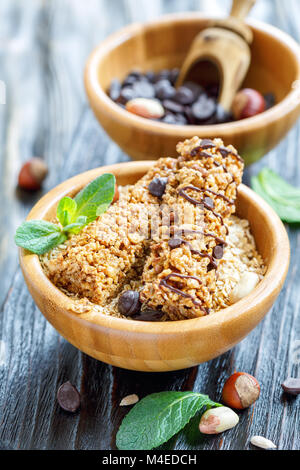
pixel 111 42
pixel 270 284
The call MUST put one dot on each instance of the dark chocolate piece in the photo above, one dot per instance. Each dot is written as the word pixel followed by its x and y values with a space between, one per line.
pixel 143 89
pixel 291 386
pixel 129 303
pixel 204 109
pixel 184 96
pixel 68 397
pixel 164 90
pixel 115 89
pixel 218 252
pixel 157 186
pixel 164 283
pixel 149 315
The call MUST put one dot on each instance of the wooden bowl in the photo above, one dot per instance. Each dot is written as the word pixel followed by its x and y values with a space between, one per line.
pixel 160 346
pixel 164 44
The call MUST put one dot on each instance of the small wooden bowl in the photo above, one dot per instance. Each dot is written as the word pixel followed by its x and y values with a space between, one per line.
pixel 163 44
pixel 160 346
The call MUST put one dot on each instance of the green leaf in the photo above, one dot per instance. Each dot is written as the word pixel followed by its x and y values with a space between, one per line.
pixel 281 196
pixel 39 236
pixel 66 211
pixel 96 197
pixel 77 226
pixel 158 417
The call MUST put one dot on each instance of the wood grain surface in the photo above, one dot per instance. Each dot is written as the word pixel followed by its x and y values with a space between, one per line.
pixel 43 47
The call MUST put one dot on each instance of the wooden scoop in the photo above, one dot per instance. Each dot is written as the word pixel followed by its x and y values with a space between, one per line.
pixel 221 54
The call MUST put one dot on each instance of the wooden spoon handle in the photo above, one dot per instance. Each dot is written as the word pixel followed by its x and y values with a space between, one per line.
pixel 241 8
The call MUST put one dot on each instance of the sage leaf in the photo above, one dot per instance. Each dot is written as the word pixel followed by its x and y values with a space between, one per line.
pixel 39 236
pixel 66 211
pixel 158 417
pixel 99 193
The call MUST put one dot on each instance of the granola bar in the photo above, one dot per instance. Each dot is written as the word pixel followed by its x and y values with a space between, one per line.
pixel 96 263
pixel 180 274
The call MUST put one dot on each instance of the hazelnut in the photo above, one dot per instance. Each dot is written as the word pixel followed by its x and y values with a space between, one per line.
pixel 240 391
pixel 32 174
pixel 248 103
pixel 147 108
pixel 218 420
pixel 247 283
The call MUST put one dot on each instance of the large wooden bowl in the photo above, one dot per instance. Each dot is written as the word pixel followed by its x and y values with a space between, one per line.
pixel 160 346
pixel 164 44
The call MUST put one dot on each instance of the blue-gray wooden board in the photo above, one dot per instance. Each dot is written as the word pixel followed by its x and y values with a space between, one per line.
pixel 43 48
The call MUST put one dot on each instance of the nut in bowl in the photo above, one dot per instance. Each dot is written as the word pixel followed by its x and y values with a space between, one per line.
pixel 162 301
pixel 163 44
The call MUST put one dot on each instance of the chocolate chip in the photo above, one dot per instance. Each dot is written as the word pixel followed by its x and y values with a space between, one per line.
pixel 164 90
pixel 184 96
pixel 224 151
pixel 213 90
pixel 174 119
pixel 68 397
pixel 208 203
pixel 204 108
pixel 270 100
pixel 189 115
pixel 211 267
pixel 207 144
pixel 150 75
pixel 291 386
pixel 163 74
pixel 180 119
pixel 149 315
pixel 222 116
pixel 196 89
pixel 169 118
pixel 157 186
pixel 174 76
pixel 129 81
pixel 135 73
pixel 174 243
pixel 127 94
pixel 115 89
pixel 173 107
pixel 218 252
pixel 129 303
pixel 143 89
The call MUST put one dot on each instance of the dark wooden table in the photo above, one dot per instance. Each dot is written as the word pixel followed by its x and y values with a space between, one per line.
pixel 43 47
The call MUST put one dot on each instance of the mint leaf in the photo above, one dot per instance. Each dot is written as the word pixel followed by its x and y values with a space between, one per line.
pixel 99 192
pixel 66 211
pixel 77 226
pixel 281 196
pixel 39 236
pixel 158 417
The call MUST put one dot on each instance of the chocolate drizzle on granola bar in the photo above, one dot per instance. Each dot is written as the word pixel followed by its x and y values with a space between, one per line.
pixel 204 202
pixel 177 242
pixel 164 283
pixel 187 231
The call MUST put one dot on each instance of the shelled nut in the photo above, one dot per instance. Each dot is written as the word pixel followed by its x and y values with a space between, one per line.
pixel 218 420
